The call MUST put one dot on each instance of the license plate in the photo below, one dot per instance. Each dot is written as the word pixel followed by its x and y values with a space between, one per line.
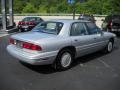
pixel 24 26
pixel 114 30
pixel 18 43
pixel 26 29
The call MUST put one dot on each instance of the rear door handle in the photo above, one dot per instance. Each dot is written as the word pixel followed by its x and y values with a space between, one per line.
pixel 75 40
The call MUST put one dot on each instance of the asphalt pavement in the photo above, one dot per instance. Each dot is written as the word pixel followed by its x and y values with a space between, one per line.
pixel 2 35
pixel 97 71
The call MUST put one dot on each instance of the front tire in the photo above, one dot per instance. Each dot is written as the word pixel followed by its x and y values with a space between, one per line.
pixel 109 47
pixel 64 60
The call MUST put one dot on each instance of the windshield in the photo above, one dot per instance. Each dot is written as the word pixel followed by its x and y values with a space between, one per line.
pixel 48 27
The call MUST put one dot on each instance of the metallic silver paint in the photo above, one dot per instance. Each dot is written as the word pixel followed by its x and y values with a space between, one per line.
pixel 51 44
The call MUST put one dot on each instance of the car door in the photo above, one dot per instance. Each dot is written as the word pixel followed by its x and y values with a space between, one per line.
pixel 97 35
pixel 81 39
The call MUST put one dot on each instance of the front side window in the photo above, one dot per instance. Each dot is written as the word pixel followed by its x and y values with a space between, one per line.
pixel 49 27
pixel 92 28
pixel 78 29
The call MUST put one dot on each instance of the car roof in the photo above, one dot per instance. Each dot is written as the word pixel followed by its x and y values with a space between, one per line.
pixel 32 17
pixel 68 20
pixel 113 16
pixel 86 15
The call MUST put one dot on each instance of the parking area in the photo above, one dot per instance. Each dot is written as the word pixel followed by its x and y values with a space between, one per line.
pixel 96 71
pixel 2 35
pixel 98 19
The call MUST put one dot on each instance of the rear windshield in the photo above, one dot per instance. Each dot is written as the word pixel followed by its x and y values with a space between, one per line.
pixel 86 18
pixel 49 27
pixel 30 19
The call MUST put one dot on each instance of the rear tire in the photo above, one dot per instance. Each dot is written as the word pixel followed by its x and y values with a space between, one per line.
pixel 64 60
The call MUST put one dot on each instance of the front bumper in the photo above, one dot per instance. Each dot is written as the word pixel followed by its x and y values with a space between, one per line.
pixel 32 58
pixel 115 30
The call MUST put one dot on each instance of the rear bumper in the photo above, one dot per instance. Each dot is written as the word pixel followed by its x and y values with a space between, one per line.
pixel 32 58
pixel 28 28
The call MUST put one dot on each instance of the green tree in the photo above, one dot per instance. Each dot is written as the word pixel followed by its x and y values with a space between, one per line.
pixel 61 6
pixel 115 6
pixel 107 8
pixel 42 9
pixel 29 8
pixel 19 5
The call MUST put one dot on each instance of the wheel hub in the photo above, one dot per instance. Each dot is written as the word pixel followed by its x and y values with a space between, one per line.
pixel 66 60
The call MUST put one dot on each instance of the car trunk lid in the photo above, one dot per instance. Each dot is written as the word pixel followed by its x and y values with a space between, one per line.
pixel 32 36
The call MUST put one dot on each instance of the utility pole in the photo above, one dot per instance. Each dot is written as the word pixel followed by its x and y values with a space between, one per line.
pixel 72 2
pixel 73 11
pixel 4 16
pixel 5 22
pixel 11 19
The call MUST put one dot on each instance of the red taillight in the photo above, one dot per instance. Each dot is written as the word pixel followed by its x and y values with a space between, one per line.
pixel 110 25
pixel 19 23
pixel 36 47
pixel 11 41
pixel 26 45
pixel 31 23
pixel 27 23
pixel 31 46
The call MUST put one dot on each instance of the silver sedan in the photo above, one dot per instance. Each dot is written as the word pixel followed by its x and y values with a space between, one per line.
pixel 59 42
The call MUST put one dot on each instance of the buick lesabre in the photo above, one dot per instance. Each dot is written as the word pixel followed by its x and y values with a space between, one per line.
pixel 59 42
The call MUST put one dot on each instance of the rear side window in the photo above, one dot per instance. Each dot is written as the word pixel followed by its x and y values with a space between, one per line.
pixel 92 28
pixel 78 29
pixel 38 19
